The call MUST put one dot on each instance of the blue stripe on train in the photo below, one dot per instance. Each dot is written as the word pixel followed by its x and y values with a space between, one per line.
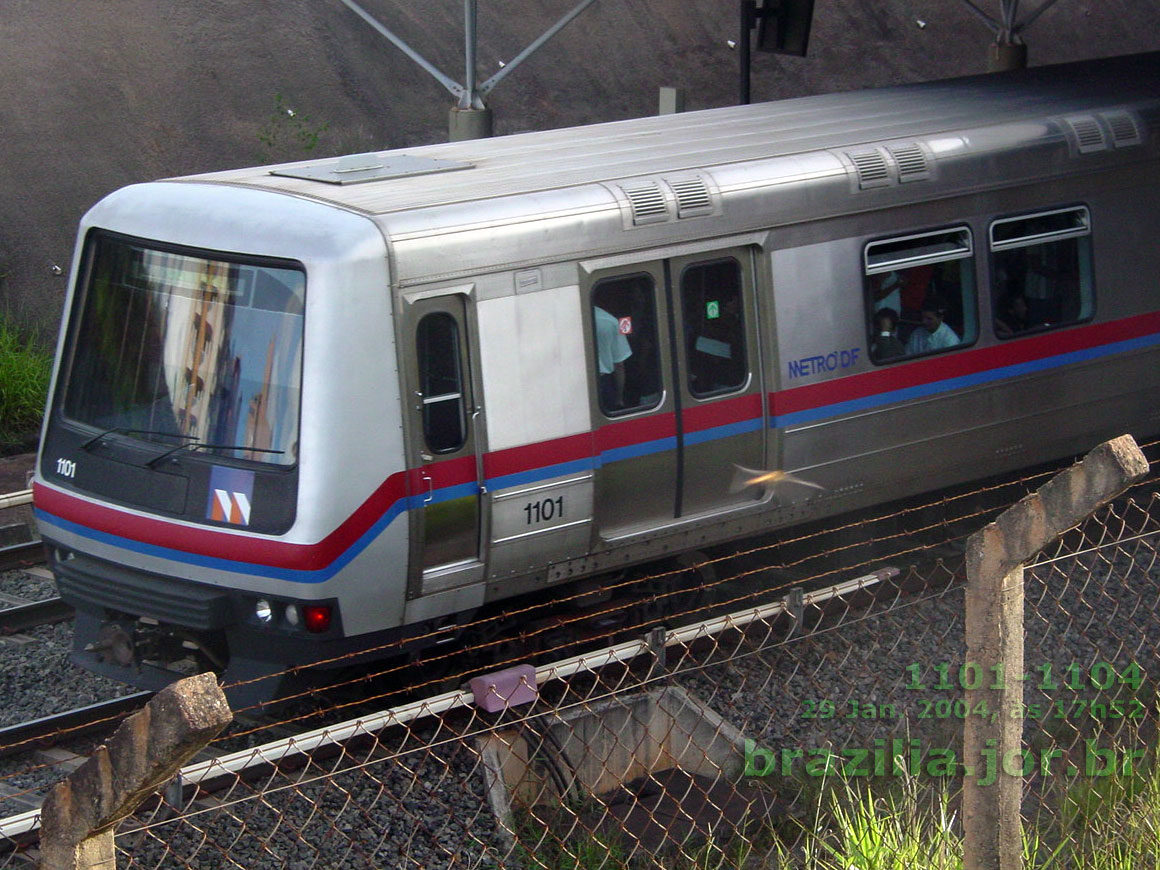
pixel 877 400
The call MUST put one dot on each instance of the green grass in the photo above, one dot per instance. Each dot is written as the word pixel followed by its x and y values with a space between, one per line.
pixel 1093 823
pixel 901 828
pixel 1109 822
pixel 24 373
pixel 1087 823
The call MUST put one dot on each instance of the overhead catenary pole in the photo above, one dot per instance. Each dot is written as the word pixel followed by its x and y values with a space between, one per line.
pixel 470 117
pixel 453 86
pixel 1008 51
pixel 489 85
pixel 748 18
pixel 470 98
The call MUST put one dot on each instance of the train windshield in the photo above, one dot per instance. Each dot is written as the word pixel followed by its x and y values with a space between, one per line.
pixel 195 352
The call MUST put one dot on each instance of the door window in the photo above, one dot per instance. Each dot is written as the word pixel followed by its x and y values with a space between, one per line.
pixel 714 327
pixel 441 383
pixel 624 321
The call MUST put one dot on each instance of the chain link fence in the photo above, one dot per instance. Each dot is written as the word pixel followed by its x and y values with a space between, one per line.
pixel 1092 662
pixel 812 716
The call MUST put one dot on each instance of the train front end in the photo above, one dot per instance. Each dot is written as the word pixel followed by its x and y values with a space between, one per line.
pixel 207 450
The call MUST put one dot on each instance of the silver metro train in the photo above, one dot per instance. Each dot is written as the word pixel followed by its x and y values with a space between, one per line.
pixel 302 410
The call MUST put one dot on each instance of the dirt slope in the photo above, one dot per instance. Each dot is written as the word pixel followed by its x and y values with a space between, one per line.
pixel 101 93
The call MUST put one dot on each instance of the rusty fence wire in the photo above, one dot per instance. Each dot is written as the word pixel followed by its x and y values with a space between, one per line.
pixel 813 712
pixel 1092 665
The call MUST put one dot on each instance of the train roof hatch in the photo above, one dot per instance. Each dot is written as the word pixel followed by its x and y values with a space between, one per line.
pixel 357 168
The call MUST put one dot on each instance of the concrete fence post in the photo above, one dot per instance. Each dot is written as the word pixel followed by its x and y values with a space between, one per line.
pixel 992 746
pixel 146 750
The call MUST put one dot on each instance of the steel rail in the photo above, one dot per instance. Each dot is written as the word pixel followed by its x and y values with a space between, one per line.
pixel 16 499
pixel 71 723
pixel 22 555
pixel 26 552
pixel 15 739
pixel 22 617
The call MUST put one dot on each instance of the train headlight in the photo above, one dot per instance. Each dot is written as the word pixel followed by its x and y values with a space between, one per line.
pixel 316 617
pixel 263 611
pixel 293 615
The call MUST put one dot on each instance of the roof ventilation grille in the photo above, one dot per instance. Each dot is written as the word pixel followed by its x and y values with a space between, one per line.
pixel 647 202
pixel 911 161
pixel 1087 133
pixel 871 168
pixel 1125 130
pixel 693 197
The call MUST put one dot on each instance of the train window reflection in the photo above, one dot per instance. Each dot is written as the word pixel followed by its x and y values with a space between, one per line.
pixel 1041 271
pixel 173 347
pixel 714 327
pixel 920 292
pixel 624 323
pixel 441 383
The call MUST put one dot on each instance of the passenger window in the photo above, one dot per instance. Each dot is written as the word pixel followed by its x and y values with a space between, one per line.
pixel 920 294
pixel 627 356
pixel 714 327
pixel 441 383
pixel 1041 271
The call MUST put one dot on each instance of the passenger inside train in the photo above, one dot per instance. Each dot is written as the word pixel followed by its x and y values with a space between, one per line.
pixel 1013 317
pixel 886 344
pixel 624 322
pixel 934 333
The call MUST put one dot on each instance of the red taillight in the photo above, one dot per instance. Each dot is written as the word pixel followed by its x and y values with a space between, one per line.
pixel 316 617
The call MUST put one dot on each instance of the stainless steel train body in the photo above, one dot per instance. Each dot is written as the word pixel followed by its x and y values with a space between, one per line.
pixel 300 409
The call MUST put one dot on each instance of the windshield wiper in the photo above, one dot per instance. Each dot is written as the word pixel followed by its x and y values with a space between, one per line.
pixel 121 430
pixel 194 444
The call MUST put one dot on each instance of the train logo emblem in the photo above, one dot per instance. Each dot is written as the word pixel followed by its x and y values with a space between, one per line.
pixel 231 491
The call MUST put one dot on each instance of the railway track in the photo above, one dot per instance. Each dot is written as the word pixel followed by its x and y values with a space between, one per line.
pixel 19 617
pixel 22 555
pixel 81 722
pixel 20 551
pixel 58 742
pixel 16 499
pixel 217 769
pixel 18 546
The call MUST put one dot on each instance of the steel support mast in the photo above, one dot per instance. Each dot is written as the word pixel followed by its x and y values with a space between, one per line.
pixel 470 117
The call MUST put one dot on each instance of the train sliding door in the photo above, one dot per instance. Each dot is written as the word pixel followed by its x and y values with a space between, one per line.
pixel 445 483
pixel 636 429
pixel 679 389
pixel 719 380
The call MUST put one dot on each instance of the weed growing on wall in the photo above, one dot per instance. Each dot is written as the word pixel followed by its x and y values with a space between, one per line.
pixel 288 131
